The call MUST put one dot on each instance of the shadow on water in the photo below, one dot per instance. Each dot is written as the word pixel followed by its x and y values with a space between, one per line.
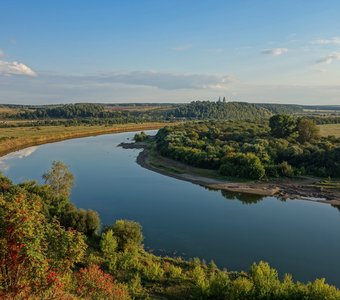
pixel 250 199
pixel 245 198
pixel 337 207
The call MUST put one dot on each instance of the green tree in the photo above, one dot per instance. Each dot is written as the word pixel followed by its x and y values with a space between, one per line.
pixel 92 222
pixel 243 165
pixel 128 234
pixel 140 137
pixel 265 279
pixel 286 169
pixel 282 125
pixel 307 130
pixel 108 245
pixel 60 179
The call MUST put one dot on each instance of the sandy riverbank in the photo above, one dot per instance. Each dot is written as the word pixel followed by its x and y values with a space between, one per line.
pixel 302 188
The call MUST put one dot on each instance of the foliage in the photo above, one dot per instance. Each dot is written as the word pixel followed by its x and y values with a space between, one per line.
pixel 249 150
pixel 307 130
pixel 220 110
pixel 128 234
pixel 246 165
pixel 93 283
pixel 282 126
pixel 85 221
pixel 41 259
pixel 140 137
pixel 23 258
pixel 34 253
pixel 108 246
pixel 60 179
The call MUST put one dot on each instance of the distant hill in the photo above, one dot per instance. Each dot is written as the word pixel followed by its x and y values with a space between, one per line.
pixel 322 107
pixel 133 112
pixel 220 110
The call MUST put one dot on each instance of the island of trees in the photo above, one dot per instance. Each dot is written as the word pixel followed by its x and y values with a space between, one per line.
pixel 49 249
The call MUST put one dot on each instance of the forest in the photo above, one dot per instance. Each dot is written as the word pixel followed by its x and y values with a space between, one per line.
pixel 49 249
pixel 108 114
pixel 283 146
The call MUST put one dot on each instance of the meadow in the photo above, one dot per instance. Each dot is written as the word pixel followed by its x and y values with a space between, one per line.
pixel 330 129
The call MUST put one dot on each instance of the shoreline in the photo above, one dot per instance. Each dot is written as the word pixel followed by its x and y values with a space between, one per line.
pixel 18 144
pixel 286 189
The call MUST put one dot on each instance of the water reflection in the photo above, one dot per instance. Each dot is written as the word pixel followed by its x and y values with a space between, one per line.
pixel 4 166
pixel 250 199
pixel 243 197
pixel 337 207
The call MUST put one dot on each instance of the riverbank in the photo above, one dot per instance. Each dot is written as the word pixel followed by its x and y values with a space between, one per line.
pixel 306 188
pixel 17 138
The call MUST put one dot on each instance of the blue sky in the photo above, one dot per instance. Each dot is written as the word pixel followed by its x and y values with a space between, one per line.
pixel 170 51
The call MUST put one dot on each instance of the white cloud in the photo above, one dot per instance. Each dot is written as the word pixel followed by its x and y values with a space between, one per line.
pixel 15 68
pixel 160 80
pixel 320 70
pixel 215 50
pixel 49 88
pixel 331 41
pixel 182 48
pixel 120 86
pixel 330 58
pixel 275 51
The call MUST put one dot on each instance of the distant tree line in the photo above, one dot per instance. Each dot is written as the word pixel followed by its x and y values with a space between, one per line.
pixel 220 110
pixel 100 114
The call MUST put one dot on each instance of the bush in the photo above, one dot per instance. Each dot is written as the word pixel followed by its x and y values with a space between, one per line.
pixel 93 283
pixel 128 234
pixel 153 271
pixel 243 165
pixel 172 271
pixel 140 137
pixel 286 169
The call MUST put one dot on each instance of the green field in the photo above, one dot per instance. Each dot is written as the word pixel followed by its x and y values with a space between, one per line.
pixel 330 129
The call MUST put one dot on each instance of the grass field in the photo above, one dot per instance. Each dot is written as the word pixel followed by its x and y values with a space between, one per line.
pixel 330 129
pixel 16 138
pixel 4 110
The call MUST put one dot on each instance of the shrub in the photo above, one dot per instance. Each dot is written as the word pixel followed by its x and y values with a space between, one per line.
pixel 140 137
pixel 93 283
pixel 172 271
pixel 286 169
pixel 128 234
pixel 243 165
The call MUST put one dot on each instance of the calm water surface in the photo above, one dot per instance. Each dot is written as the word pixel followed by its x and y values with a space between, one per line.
pixel 180 218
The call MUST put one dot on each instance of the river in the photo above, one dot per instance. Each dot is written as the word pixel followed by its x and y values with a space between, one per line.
pixel 183 219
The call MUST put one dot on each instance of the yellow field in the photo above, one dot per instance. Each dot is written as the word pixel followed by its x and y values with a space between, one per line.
pixel 12 139
pixel 9 111
pixel 330 129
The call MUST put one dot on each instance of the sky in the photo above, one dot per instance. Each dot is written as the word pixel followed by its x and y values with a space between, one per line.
pixel 282 51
